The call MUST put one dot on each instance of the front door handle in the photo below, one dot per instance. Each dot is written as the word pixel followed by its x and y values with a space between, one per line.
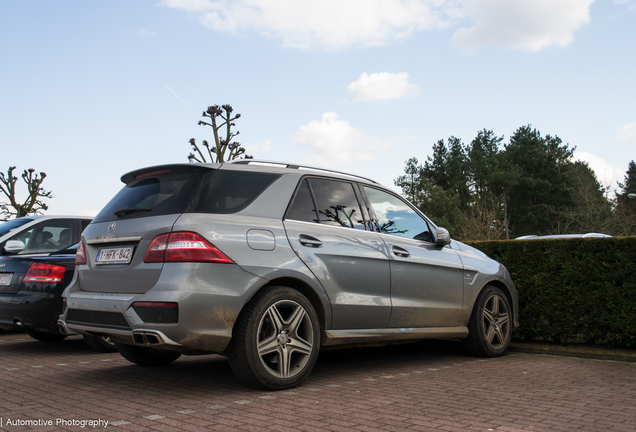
pixel 398 251
pixel 309 241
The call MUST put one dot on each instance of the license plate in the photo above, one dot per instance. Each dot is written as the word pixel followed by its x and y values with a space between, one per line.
pixel 5 278
pixel 115 255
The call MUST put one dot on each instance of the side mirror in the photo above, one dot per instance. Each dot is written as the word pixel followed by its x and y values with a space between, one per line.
pixel 442 237
pixel 13 247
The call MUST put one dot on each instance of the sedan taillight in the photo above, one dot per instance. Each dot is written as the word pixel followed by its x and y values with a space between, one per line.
pixel 183 247
pixel 80 255
pixel 49 273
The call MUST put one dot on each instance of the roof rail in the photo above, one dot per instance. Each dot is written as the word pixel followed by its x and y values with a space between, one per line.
pixel 297 166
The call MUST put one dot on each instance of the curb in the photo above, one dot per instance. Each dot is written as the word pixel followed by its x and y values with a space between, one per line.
pixel 583 351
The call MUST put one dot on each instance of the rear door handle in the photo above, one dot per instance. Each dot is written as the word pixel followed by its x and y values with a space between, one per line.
pixel 398 251
pixel 309 241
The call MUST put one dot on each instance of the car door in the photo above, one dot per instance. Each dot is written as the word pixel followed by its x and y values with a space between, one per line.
pixel 326 228
pixel 426 279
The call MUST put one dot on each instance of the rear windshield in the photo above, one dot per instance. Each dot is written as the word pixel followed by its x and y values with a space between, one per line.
pixel 195 190
pixel 13 224
pixel 166 192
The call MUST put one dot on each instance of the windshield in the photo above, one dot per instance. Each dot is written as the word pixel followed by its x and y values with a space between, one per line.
pixel 13 224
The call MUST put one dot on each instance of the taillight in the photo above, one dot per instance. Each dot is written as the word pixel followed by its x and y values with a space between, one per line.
pixel 80 255
pixel 183 247
pixel 40 272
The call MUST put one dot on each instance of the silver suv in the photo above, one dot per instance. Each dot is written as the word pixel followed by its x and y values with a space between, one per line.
pixel 267 263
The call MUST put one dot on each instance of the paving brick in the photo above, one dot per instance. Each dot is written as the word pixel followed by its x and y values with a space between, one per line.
pixel 418 387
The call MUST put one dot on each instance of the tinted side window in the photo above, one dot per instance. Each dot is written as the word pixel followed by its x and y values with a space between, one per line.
pixel 85 223
pixel 337 203
pixel 396 217
pixel 302 208
pixel 226 191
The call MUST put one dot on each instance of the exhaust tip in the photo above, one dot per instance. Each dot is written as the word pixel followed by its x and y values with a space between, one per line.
pixel 62 327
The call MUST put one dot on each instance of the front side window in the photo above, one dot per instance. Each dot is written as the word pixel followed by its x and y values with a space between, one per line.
pixel 46 237
pixel 394 216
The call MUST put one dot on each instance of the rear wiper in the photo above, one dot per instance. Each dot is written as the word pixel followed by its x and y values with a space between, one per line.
pixel 122 212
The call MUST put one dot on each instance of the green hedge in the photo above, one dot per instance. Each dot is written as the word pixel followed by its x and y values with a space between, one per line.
pixel 582 289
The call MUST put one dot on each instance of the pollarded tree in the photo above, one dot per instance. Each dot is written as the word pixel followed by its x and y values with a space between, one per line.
pixel 217 152
pixel 33 203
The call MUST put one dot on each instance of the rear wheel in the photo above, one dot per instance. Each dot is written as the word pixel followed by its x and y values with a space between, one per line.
pixel 100 343
pixel 276 340
pixel 147 356
pixel 46 337
pixel 490 327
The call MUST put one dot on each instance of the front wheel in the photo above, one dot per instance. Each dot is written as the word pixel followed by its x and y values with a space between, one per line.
pixel 276 340
pixel 490 327
pixel 146 356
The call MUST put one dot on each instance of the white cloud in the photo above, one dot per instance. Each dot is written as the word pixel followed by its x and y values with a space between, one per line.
pixel 628 134
pixel 334 141
pixel 325 24
pixel 528 25
pixel 262 148
pixel 382 86
pixel 146 33
pixel 606 174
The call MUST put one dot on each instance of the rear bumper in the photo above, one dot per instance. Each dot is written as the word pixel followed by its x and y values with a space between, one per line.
pixel 30 311
pixel 207 310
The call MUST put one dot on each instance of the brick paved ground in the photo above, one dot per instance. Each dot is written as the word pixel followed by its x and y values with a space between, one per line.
pixel 426 386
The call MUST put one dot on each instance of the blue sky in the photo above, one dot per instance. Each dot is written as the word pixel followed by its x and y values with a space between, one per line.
pixel 91 90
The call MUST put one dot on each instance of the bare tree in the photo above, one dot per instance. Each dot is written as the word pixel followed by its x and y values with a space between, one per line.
pixel 33 204
pixel 217 152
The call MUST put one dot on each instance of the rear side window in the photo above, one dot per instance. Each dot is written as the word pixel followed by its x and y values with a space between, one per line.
pixel 303 209
pixel 166 192
pixel 226 191
pixel 336 204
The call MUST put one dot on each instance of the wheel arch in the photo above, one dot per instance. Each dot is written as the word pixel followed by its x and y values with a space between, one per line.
pixel 324 314
pixel 507 291
pixel 504 288
pixel 308 292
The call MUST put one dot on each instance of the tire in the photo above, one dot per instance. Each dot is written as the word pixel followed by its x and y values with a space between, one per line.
pixel 276 339
pixel 147 356
pixel 490 327
pixel 46 337
pixel 101 344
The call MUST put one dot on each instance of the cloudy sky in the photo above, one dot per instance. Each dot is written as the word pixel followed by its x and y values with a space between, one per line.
pixel 91 90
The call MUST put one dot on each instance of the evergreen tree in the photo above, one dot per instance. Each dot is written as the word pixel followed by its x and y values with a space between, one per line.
pixel 540 167
pixel 625 209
